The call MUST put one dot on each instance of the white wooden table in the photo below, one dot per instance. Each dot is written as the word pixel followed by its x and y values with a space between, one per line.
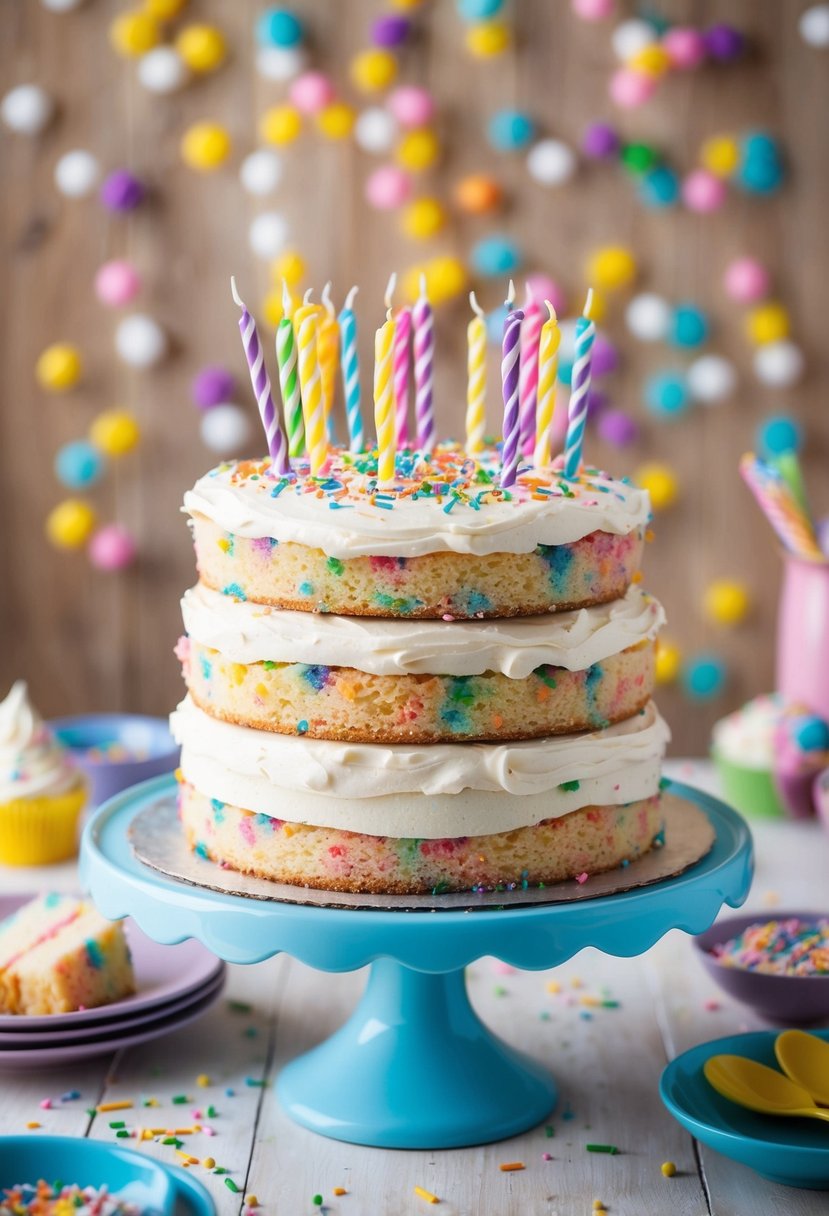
pixel 607 1061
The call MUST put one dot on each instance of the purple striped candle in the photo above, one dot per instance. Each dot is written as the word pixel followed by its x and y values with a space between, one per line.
pixel 511 453
pixel 424 355
pixel 277 446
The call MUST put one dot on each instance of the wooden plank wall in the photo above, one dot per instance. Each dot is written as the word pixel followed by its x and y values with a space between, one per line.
pixel 87 640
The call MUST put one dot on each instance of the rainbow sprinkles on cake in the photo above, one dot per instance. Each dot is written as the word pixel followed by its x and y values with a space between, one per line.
pixel 421 666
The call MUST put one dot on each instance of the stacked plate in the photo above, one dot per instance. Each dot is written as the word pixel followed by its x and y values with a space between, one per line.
pixel 174 986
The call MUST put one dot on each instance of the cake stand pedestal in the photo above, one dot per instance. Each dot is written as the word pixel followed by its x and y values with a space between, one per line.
pixel 413 1067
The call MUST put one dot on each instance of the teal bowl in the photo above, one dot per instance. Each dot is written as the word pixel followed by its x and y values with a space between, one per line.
pixel 158 1190
pixel 794 1152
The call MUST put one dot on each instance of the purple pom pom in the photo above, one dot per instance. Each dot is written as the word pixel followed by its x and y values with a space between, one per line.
pixel 600 141
pixel 723 42
pixel 597 402
pixel 605 356
pixel 618 428
pixel 122 191
pixel 213 386
pixel 390 30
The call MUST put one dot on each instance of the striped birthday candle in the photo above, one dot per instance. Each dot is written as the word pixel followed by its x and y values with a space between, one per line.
pixel 528 372
pixel 510 350
pixel 424 355
pixel 350 367
pixel 306 322
pixel 286 357
pixel 277 446
pixel 579 390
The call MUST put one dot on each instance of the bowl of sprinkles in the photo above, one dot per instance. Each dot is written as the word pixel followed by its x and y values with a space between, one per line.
pixel 779 966
pixel 116 751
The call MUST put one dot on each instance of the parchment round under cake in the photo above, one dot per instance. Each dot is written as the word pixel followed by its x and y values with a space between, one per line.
pixel 441 686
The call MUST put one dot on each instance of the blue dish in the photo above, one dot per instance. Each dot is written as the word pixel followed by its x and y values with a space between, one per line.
pixel 154 1187
pixel 794 1152
pixel 152 750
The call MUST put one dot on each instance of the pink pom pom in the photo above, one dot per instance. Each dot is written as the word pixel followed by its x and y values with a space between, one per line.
pixel 747 280
pixel 592 10
pixel 685 47
pixel 116 283
pixel 630 89
pixel 541 287
pixel 703 192
pixel 411 105
pixel 111 548
pixel 388 187
pixel 312 92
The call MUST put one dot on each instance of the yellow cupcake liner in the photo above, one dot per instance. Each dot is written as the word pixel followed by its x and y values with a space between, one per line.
pixel 42 830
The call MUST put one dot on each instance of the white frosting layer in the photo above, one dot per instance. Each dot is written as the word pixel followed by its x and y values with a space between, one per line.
pixel 250 633
pixel 429 792
pixel 32 762
pixel 416 526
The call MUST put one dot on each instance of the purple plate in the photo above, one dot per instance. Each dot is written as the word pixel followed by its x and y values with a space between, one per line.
pixel 793 999
pixel 21 1060
pixel 39 1039
pixel 162 974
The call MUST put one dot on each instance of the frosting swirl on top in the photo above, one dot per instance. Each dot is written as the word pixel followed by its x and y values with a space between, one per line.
pixel 32 762
pixel 445 502
pixel 515 646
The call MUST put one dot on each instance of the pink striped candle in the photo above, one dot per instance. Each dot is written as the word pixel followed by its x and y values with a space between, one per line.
pixel 277 445
pixel 400 367
pixel 424 355
pixel 528 372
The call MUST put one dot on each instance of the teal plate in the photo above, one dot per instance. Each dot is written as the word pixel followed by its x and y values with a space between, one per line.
pixel 794 1152
pixel 153 1187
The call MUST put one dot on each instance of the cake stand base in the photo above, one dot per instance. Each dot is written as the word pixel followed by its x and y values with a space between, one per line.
pixel 414 1067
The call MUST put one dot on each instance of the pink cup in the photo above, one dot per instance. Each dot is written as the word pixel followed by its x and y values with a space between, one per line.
pixel 803 635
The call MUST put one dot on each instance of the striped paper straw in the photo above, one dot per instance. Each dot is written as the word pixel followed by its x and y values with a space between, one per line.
pixel 277 447
pixel 424 354
pixel 350 367
pixel 579 391
pixel 780 508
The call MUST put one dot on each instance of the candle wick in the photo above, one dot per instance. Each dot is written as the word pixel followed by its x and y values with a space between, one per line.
pixel 287 302
pixel 423 287
pixel 349 299
pixel 588 304
pixel 306 299
pixel 326 299
pixel 390 286
pixel 510 300
pixel 389 313
pixel 552 312
pixel 237 298
pixel 475 306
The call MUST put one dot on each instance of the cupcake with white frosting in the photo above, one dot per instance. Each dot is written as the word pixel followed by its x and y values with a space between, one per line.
pixel 41 793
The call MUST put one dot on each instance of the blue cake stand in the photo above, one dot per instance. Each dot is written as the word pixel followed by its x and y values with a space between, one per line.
pixel 413 1067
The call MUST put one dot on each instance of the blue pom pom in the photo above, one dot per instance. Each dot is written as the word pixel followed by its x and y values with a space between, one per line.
pixel 495 255
pixel 779 434
pixel 812 733
pixel 666 394
pixel 279 27
pixel 78 464
pixel 761 168
pixel 479 10
pixel 659 187
pixel 511 129
pixel 495 324
pixel 690 326
pixel 703 677
pixel 564 374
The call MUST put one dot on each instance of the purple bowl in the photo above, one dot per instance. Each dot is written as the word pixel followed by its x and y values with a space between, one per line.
pixel 152 749
pixel 798 1000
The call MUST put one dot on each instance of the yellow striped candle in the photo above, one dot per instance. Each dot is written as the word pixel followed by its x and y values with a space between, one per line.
pixel 328 349
pixel 384 402
pixel 306 326
pixel 547 373
pixel 476 378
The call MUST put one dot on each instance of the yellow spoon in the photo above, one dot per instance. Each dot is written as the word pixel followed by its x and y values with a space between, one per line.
pixel 804 1058
pixel 760 1088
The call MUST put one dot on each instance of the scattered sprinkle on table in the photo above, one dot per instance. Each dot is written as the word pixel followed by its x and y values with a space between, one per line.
pixel 202 1080
pixel 668 1169
pixel 602 1148
pixel 340 1190
pixel 252 1201
pixel 108 1106
pixel 231 1186
pixel 32 1124
pixel 422 1193
pixel 317 1201
pixel 507 1167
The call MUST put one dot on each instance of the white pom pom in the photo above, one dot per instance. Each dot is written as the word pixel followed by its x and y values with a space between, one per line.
pixel 814 26
pixel 225 429
pixel 567 330
pixel 268 234
pixel 27 109
pixel 261 172
pixel 77 173
pixel 61 6
pixel 280 63
pixel 648 317
pixel 779 364
pixel 375 130
pixel 163 70
pixel 631 37
pixel 140 341
pixel 551 162
pixel 711 378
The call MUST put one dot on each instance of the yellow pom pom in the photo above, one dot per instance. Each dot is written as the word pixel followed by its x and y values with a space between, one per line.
pixel 205 146
pixel 115 432
pixel 374 70
pixel 202 47
pixel 59 367
pixel 668 662
pixel 289 266
pixel 336 120
pixel 720 155
pixel 70 523
pixel 485 39
pixel 423 218
pixel 164 10
pixel 726 602
pixel 767 323
pixel 446 278
pixel 272 311
pixel 660 482
pixel 611 267
pixel 668 1169
pixel 417 150
pixel 405 6
pixel 280 125
pixel 133 34
pixel 652 60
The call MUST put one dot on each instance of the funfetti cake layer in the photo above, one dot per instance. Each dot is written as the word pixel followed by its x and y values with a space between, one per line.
pixel 445 541
pixel 35 922
pixel 418 681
